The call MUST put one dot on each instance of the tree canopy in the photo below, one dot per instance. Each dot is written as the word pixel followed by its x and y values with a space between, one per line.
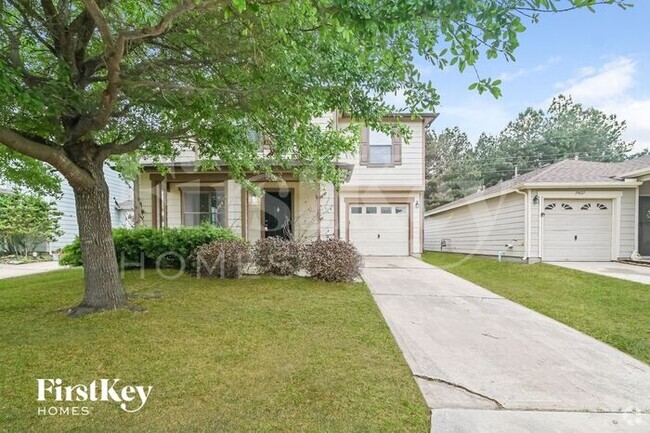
pixel 128 75
pixel 534 139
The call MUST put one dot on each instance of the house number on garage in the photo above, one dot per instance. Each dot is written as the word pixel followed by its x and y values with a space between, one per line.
pixel 581 192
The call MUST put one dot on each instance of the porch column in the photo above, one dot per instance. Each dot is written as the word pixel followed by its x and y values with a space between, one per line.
pixel 234 206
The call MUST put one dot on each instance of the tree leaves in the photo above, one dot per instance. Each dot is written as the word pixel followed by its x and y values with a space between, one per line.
pixel 218 70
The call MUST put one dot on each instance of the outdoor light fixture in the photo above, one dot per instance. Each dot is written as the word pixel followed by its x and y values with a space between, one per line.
pixel 417 204
pixel 253 200
pixel 535 199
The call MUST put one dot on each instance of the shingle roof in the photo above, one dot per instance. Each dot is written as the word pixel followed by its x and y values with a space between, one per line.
pixel 567 171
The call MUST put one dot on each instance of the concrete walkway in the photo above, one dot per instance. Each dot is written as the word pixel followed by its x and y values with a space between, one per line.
pixel 486 364
pixel 9 271
pixel 623 271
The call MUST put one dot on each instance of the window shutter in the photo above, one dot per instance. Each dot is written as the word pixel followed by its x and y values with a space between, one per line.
pixel 363 146
pixel 397 147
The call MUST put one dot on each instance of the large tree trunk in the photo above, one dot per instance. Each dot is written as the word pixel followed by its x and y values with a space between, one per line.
pixel 103 287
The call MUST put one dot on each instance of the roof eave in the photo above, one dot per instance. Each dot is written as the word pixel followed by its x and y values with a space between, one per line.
pixel 536 185
pixel 579 185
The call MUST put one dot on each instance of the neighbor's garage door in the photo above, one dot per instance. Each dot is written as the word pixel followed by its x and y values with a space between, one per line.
pixel 577 230
pixel 379 229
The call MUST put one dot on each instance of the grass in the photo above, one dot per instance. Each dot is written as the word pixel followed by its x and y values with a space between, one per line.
pixel 612 310
pixel 250 355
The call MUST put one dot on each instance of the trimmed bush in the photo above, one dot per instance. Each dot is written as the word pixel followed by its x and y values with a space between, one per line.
pixel 71 254
pixel 221 259
pixel 171 247
pixel 333 260
pixel 277 256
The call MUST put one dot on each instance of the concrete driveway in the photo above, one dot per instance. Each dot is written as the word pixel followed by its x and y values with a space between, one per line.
pixel 486 364
pixel 623 271
pixel 9 271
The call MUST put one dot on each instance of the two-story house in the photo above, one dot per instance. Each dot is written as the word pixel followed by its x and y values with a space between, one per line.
pixel 379 208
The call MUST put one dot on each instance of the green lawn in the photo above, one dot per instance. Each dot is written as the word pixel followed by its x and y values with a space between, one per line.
pixel 250 355
pixel 611 310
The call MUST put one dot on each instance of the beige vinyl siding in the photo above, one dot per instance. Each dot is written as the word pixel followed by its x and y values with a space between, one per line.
pixel 144 185
pixel 628 210
pixel 305 212
pixel 186 155
pixel 233 203
pixel 410 173
pixel 479 228
pixel 174 211
pixel 327 197
pixel 324 121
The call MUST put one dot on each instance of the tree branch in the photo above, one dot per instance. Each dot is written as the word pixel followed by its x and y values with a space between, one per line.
pixel 118 149
pixel 100 21
pixel 115 53
pixel 45 151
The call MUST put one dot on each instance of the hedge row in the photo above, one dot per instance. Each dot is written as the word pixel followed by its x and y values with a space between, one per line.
pixel 169 246
pixel 208 251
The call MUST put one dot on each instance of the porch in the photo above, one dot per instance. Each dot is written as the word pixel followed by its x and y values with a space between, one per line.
pixel 284 206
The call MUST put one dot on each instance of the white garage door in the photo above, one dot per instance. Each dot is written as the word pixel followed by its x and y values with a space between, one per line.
pixel 379 229
pixel 577 230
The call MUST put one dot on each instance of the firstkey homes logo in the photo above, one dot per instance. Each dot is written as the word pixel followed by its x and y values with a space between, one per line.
pixel 64 399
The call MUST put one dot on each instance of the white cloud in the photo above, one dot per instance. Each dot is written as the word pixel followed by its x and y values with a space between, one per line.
pixel 611 88
pixel 398 99
pixel 522 72
pixel 481 113
pixel 595 85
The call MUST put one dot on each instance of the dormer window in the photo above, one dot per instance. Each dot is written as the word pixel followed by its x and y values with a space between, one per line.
pixel 380 149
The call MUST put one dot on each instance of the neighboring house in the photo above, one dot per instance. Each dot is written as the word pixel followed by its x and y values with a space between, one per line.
pixel 569 211
pixel 378 209
pixel 121 206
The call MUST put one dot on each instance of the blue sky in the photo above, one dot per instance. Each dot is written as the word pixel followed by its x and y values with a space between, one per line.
pixel 602 59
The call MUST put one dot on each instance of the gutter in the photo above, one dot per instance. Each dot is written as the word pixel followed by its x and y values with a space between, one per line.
pixel 579 185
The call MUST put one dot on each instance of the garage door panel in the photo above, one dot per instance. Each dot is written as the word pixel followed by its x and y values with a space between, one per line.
pixel 577 230
pixel 379 234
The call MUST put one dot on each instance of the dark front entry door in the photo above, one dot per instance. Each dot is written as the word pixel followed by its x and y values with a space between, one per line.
pixel 644 226
pixel 277 214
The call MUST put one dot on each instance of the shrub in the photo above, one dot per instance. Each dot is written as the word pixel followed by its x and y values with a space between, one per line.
pixel 333 260
pixel 172 246
pixel 26 221
pixel 223 258
pixel 71 254
pixel 277 256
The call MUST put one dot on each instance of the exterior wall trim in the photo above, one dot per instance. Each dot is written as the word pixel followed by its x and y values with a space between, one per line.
pixel 387 188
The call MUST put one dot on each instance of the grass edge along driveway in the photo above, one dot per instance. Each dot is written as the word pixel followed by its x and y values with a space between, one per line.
pixel 612 310
pixel 250 355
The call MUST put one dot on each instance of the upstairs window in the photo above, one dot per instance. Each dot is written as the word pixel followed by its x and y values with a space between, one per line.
pixel 379 148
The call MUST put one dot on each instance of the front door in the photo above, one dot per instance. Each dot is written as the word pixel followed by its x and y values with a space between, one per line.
pixel 277 214
pixel 644 226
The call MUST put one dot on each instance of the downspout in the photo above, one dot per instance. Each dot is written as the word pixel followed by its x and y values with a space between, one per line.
pixel 635 249
pixel 526 224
